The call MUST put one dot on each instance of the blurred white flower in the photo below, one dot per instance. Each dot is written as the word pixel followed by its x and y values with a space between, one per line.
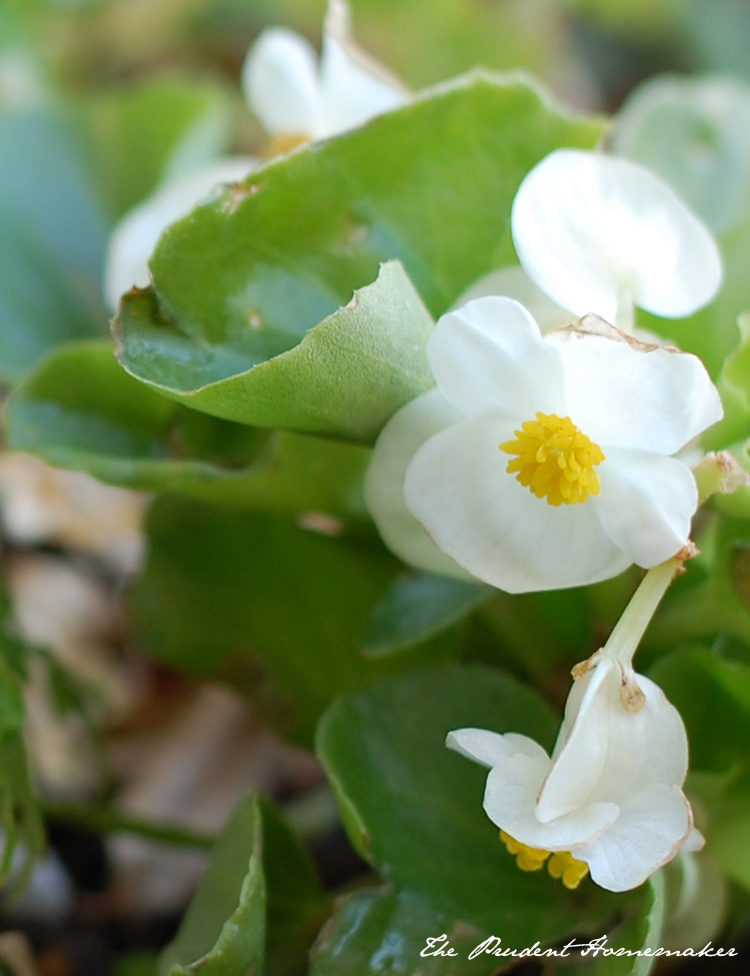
pixel 298 99
pixel 135 237
pixel 296 102
pixel 694 133
pixel 601 235
pixel 610 798
pixel 541 462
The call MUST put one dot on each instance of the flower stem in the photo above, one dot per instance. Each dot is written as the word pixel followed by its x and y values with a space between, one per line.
pixel 632 625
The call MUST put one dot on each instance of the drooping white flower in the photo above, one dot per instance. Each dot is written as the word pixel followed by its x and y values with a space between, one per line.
pixel 133 240
pixel 600 235
pixel 540 462
pixel 298 99
pixel 610 796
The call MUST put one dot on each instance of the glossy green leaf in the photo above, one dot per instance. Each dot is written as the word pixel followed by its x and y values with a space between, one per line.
pixel 244 278
pixel 414 809
pixel 379 931
pixel 141 134
pixel 258 904
pixel 418 606
pixel 52 238
pixel 273 607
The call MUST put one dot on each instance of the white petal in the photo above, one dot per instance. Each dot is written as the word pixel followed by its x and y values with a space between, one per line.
pixel 646 503
pixel 354 87
pixel 593 231
pixel 648 833
pixel 621 392
pixel 513 282
pixel 407 430
pixel 458 488
pixel 134 238
pixel 509 800
pixel 695 842
pixel 280 82
pixel 490 356
pixel 609 753
pixel 491 748
pixel 579 764
pixel 646 747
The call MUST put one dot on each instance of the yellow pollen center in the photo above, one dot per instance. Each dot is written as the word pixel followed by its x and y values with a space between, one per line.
pixel 561 865
pixel 555 460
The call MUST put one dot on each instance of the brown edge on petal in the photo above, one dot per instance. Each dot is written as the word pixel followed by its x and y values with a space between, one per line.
pixel 688 551
pixel 593 325
pixel 583 667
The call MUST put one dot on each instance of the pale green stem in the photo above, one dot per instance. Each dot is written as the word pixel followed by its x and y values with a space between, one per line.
pixel 632 625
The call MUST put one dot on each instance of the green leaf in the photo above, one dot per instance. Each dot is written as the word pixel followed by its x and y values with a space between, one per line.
pixel 379 931
pixel 417 607
pixel 414 809
pixel 12 709
pixel 710 602
pixel 347 375
pixel 246 277
pixel 258 905
pixel 642 929
pixel 255 599
pixel 223 932
pixel 296 905
pixel 81 410
pixel 310 475
pixel 21 823
pixel 703 686
pixel 146 132
pixel 52 238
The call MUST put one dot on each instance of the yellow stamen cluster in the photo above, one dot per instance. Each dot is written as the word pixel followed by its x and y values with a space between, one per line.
pixel 561 865
pixel 555 460
pixel 570 871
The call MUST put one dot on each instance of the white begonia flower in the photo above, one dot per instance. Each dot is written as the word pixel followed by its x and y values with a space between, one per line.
pixel 609 798
pixel 600 235
pixel 135 237
pixel 540 462
pixel 513 282
pixel 297 99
